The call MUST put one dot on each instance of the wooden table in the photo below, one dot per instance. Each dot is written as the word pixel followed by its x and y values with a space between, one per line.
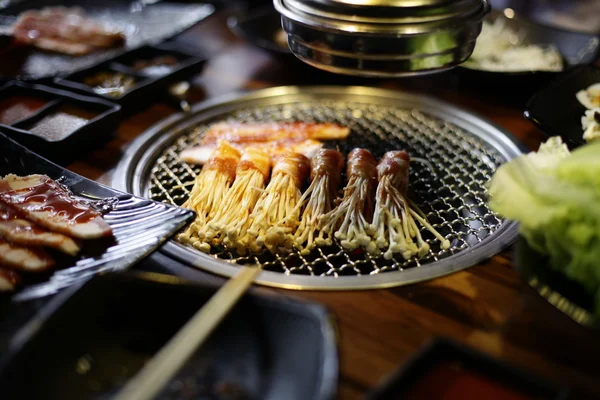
pixel 487 307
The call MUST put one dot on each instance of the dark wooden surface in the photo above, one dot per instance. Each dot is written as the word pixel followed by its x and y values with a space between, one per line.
pixel 487 307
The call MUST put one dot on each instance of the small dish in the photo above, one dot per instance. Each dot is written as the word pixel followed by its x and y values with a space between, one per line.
pixel 563 293
pixel 139 225
pixel 63 121
pixel 556 110
pixel 120 80
pixel 576 48
pixel 89 341
pixel 261 27
pixel 445 369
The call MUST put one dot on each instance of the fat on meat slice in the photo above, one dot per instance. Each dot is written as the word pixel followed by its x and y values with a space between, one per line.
pixel 9 280
pixel 26 233
pixel 46 203
pixel 24 258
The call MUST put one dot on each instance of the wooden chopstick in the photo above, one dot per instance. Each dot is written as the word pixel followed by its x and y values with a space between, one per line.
pixel 171 357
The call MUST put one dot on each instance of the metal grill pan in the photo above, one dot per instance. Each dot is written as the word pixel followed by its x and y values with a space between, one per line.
pixel 463 150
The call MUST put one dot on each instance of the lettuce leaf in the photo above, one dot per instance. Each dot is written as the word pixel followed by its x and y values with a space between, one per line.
pixel 555 197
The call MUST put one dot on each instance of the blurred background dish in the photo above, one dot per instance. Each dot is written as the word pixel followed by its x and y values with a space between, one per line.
pixel 261 27
pixel 575 48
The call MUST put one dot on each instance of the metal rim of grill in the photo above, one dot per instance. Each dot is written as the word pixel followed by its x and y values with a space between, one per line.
pixel 464 149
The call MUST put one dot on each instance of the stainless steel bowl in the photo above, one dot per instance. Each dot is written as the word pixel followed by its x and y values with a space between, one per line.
pixel 382 37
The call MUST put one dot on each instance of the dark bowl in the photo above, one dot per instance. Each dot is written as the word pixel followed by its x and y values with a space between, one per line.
pixel 89 342
pixel 259 27
pixel 556 110
pixel 576 49
pixel 563 293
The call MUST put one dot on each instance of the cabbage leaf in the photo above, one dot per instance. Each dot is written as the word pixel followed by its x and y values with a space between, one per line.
pixel 555 196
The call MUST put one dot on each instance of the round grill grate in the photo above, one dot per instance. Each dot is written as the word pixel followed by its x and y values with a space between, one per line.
pixel 452 162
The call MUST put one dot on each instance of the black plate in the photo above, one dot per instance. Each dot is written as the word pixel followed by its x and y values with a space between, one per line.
pixel 146 86
pixel 92 341
pixel 556 110
pixel 259 27
pixel 143 22
pixel 563 293
pixel 97 130
pixel 442 350
pixel 576 49
pixel 139 225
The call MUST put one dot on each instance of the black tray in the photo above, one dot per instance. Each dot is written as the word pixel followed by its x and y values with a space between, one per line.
pixel 89 342
pixel 556 110
pixel 139 225
pixel 142 22
pixel 442 350
pixel 97 130
pixel 147 87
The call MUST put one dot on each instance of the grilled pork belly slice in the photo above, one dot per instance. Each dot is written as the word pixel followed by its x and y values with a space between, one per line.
pixel 43 201
pixel 26 233
pixel 307 147
pixel 274 131
pixel 23 258
pixel 8 280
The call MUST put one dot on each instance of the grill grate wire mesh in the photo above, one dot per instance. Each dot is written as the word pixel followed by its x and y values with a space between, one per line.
pixel 449 188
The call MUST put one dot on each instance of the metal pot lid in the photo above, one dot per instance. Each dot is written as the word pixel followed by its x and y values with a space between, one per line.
pixel 383 16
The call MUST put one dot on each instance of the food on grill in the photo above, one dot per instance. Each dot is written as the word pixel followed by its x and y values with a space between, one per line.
pixel 26 233
pixel 500 48
pixel 109 83
pixel 232 219
pixel 16 108
pixel 554 195
pixel 64 30
pixel 157 66
pixel 274 138
pixel 590 97
pixel 44 202
pixel 394 225
pixel 9 280
pixel 210 187
pixel 277 203
pixel 318 199
pixel 591 125
pixel 350 221
pixel 24 258
pixel 590 122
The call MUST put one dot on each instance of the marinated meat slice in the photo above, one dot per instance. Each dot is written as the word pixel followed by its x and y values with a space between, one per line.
pixel 267 132
pixel 64 30
pixel 307 147
pixel 43 201
pixel 23 258
pixel 26 233
pixel 9 280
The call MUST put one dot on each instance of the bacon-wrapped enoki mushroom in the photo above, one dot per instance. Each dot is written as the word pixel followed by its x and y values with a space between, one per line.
pixel 277 203
pixel 232 219
pixel 349 221
pixel 394 225
pixel 209 189
pixel 318 199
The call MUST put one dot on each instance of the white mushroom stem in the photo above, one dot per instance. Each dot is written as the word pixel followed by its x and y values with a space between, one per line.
pixel 347 221
pixel 317 201
pixel 232 218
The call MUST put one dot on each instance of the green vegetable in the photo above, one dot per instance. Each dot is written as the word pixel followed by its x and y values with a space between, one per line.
pixel 555 196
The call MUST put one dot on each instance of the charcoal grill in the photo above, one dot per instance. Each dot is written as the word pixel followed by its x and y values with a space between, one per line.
pixel 462 152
